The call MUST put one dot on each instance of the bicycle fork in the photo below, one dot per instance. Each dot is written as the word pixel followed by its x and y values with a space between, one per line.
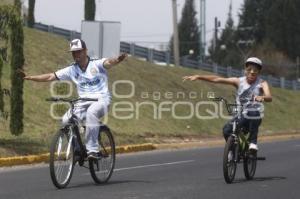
pixel 235 142
pixel 69 144
pixel 235 148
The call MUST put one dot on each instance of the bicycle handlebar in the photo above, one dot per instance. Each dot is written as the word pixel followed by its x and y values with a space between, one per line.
pixel 221 99
pixel 218 99
pixel 228 105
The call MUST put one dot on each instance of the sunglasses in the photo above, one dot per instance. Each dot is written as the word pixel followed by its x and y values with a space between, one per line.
pixel 252 69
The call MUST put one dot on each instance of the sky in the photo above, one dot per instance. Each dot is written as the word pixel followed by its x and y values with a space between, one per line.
pixel 145 22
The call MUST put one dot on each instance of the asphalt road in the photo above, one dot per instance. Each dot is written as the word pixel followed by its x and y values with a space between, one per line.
pixel 192 173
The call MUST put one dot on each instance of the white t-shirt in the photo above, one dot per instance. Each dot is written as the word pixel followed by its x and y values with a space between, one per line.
pixel 92 83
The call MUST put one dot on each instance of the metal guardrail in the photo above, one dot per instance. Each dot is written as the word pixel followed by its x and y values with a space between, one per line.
pixel 153 55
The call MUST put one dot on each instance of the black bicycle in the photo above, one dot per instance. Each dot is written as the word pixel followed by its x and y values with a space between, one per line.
pixel 237 146
pixel 67 149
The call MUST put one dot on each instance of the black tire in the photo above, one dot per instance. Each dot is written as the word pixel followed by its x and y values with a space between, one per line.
pixel 229 163
pixel 61 159
pixel 102 168
pixel 249 166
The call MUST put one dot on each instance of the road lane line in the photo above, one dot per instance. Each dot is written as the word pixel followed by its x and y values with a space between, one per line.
pixel 151 165
pixel 154 165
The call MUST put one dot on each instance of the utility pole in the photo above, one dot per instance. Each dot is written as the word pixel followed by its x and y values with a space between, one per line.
pixel 175 34
pixel 202 38
pixel 297 68
pixel 217 25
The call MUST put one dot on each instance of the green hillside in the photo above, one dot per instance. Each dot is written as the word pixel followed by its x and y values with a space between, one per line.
pixel 6 2
pixel 155 92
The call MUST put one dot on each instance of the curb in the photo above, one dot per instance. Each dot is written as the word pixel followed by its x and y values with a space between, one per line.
pixel 33 159
pixel 21 160
pixel 135 148
pixel 219 142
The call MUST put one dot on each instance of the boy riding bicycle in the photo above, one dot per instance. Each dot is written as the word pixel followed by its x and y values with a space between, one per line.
pixel 90 77
pixel 249 88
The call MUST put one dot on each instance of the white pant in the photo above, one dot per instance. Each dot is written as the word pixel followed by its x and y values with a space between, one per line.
pixel 91 112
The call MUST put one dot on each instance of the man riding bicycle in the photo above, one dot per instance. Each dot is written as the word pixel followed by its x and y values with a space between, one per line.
pixel 90 78
pixel 249 88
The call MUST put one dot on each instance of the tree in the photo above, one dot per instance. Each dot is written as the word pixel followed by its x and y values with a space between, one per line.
pixel 226 52
pixel 31 19
pixel 268 29
pixel 188 32
pixel 283 26
pixel 10 21
pixel 17 62
pixel 1 94
pixel 18 5
pixel 252 20
pixel 89 10
pixel 3 56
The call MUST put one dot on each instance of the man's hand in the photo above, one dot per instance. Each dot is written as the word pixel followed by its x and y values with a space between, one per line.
pixel 108 63
pixel 259 98
pixel 22 74
pixel 191 78
pixel 122 57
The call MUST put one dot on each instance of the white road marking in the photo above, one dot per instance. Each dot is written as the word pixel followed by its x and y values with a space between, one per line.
pixel 154 165
pixel 150 165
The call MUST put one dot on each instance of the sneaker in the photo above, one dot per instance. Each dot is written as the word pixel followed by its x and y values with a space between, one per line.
pixel 93 155
pixel 253 146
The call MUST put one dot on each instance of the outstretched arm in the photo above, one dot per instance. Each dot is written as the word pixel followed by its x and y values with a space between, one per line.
pixel 214 79
pixel 38 78
pixel 108 63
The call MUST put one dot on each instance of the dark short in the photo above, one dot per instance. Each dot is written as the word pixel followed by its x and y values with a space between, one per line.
pixel 249 122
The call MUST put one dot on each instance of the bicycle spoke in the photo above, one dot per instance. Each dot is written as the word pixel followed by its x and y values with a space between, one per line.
pixel 61 159
pixel 102 171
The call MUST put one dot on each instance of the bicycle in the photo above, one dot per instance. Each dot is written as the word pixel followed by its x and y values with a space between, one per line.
pixel 237 146
pixel 67 149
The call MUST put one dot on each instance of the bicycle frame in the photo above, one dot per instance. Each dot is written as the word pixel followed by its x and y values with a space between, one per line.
pixel 73 123
pixel 241 137
pixel 67 148
pixel 237 146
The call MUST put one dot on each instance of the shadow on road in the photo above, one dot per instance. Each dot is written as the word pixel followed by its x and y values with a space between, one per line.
pixel 261 179
pixel 110 183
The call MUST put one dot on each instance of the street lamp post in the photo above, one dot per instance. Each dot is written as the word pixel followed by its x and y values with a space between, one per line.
pixel 202 38
pixel 175 34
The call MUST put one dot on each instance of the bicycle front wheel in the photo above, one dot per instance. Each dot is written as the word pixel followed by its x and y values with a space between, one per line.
pixel 229 160
pixel 61 158
pixel 249 163
pixel 102 168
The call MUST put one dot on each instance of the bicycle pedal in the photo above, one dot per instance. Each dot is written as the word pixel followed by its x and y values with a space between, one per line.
pixel 81 163
pixel 261 158
pixel 94 158
pixel 104 155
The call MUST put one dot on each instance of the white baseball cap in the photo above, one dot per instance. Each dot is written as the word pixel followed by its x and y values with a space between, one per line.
pixel 254 60
pixel 77 44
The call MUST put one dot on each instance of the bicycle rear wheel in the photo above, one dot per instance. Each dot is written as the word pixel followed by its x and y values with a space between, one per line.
pixel 102 168
pixel 249 163
pixel 229 160
pixel 61 158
